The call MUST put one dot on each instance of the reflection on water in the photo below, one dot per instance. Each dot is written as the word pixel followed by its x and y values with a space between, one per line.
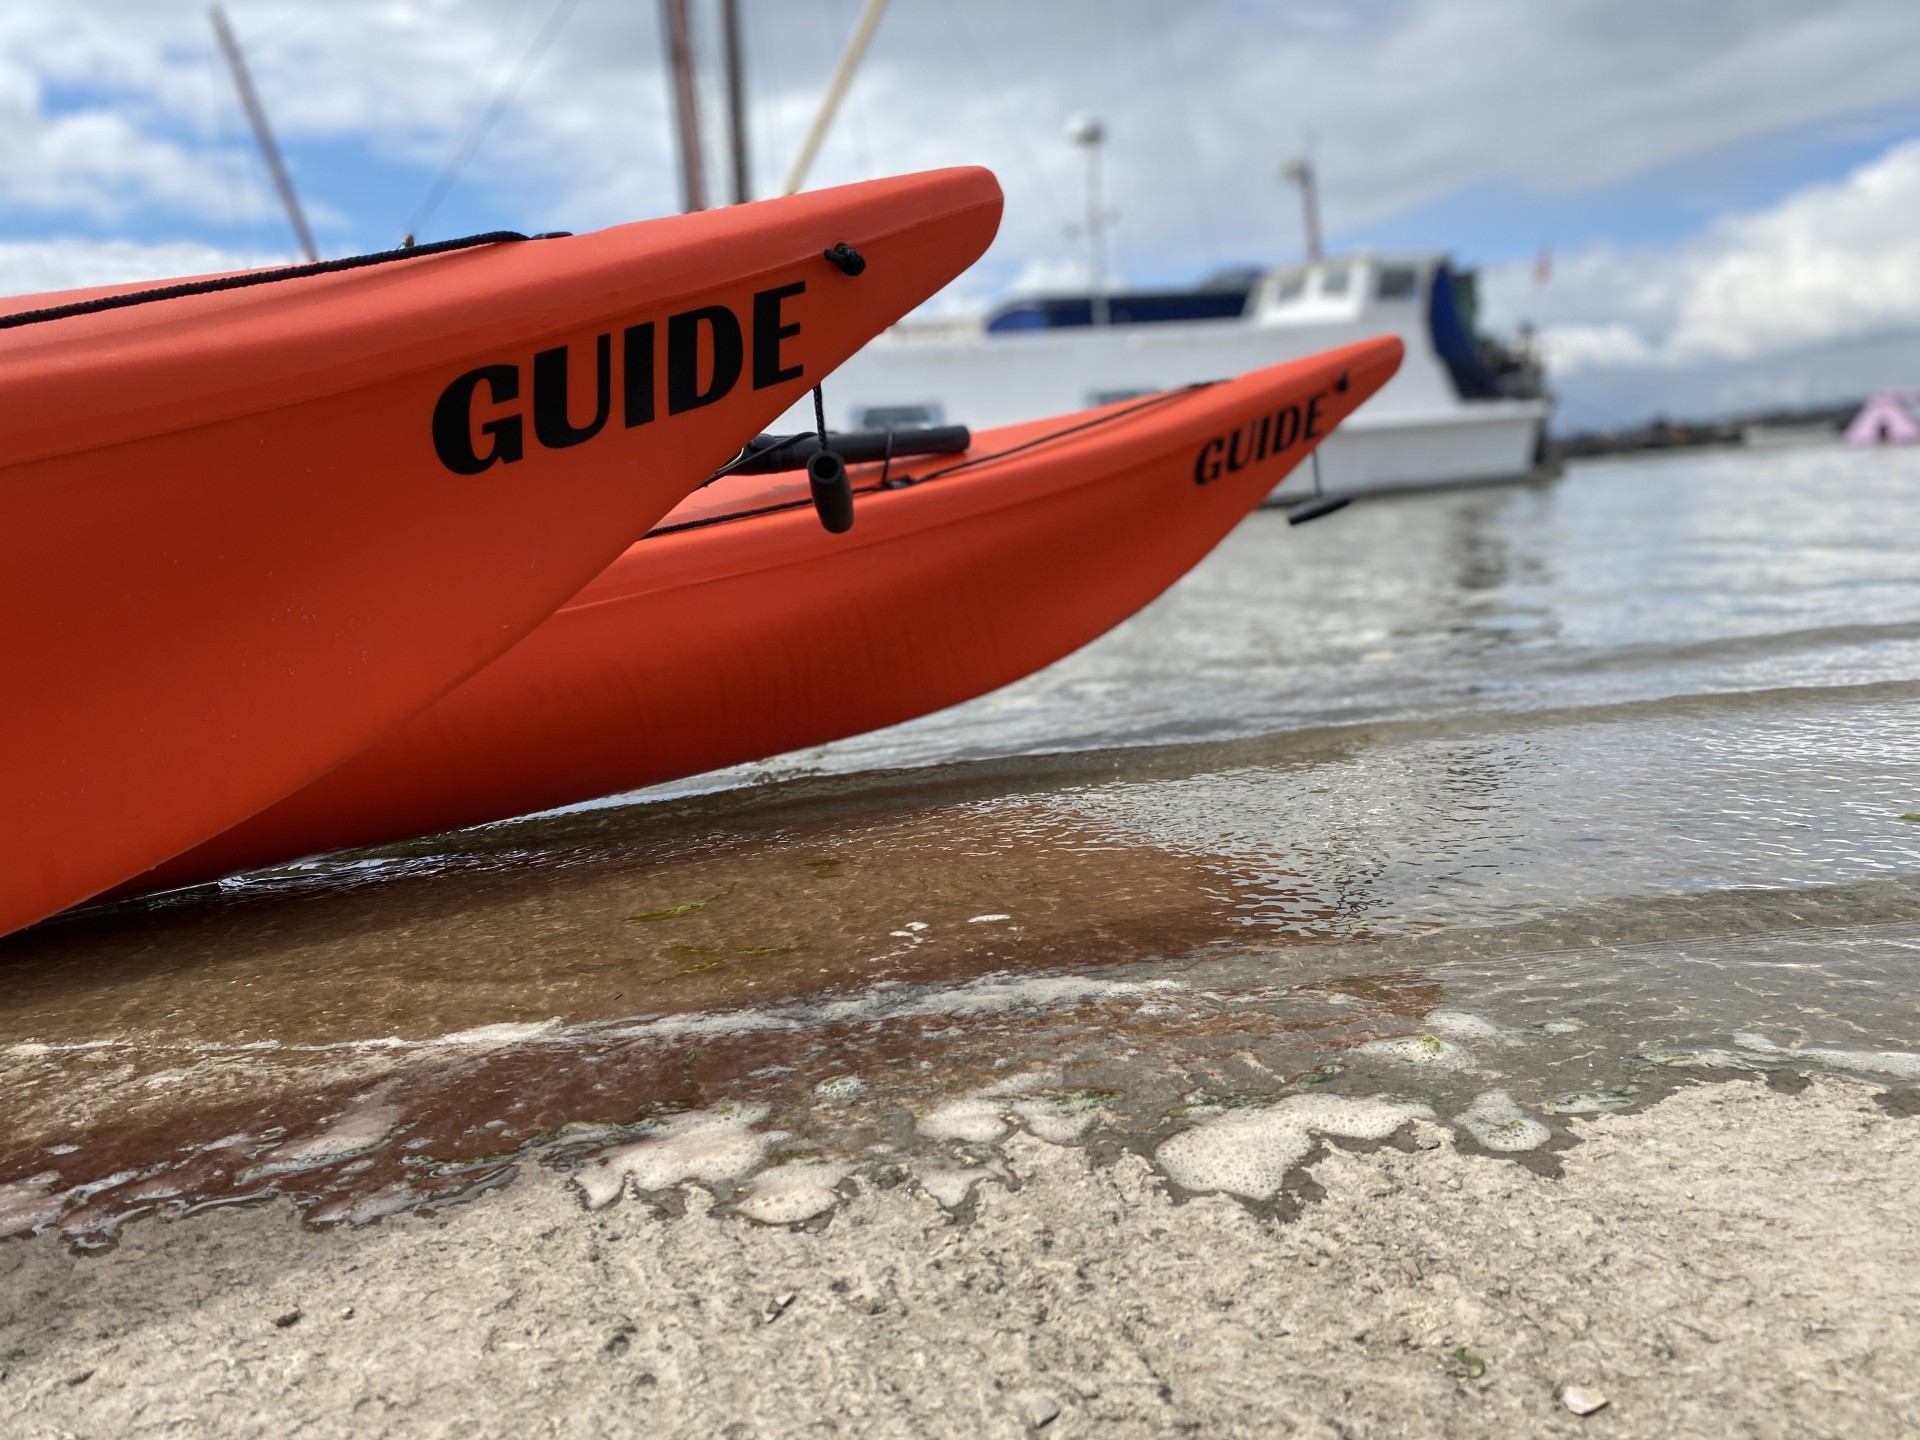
pixel 1510 804
pixel 1627 580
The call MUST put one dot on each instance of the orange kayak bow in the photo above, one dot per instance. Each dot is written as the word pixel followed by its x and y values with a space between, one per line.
pixel 739 629
pixel 247 526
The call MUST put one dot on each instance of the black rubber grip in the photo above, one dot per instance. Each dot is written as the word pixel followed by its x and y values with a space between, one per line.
pixel 832 492
pixel 770 454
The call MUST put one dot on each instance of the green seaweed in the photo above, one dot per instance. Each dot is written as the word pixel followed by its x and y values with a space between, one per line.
pixel 671 911
pixel 1585 1102
pixel 1083 1099
pixel 1465 1364
pixel 675 911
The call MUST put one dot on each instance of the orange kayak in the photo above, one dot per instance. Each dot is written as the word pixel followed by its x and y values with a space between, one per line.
pixel 740 629
pixel 249 525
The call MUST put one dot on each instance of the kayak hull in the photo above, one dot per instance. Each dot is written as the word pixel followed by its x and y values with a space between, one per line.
pixel 734 640
pixel 244 534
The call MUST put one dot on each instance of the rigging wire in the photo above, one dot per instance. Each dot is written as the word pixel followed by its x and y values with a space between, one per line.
pixel 503 97
pixel 860 131
pixel 1003 111
pixel 1173 75
pixel 239 201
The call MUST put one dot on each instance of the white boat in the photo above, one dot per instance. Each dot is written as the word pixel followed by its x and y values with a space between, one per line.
pixel 1463 409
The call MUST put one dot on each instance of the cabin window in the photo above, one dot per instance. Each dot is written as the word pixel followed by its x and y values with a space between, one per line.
pixel 899 417
pixel 1397 282
pixel 1291 288
pixel 1334 282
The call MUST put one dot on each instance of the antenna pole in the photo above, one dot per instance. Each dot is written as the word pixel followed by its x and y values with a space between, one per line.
pixel 1090 135
pixel 1301 172
pixel 693 178
pixel 863 29
pixel 736 98
pixel 262 133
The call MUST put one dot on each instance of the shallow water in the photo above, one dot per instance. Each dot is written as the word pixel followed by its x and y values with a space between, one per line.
pixel 1510 804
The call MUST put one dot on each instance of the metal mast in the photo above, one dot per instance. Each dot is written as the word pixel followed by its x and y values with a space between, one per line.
pixel 736 98
pixel 1090 134
pixel 693 178
pixel 262 133
pixel 1300 171
pixel 863 29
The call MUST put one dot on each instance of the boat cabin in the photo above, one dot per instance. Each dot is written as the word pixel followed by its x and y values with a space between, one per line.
pixel 1365 290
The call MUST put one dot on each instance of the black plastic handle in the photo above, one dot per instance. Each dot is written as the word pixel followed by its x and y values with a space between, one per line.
pixel 832 491
pixel 770 454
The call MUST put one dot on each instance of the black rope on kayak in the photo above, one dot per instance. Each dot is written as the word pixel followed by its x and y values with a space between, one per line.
pixel 832 495
pixel 1157 399
pixel 826 471
pixel 264 277
pixel 902 482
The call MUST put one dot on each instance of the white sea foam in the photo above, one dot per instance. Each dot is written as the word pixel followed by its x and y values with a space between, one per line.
pixel 1249 1152
pixel 27 1204
pixel 354 1133
pixel 710 1146
pixel 1059 1122
pixel 973 1118
pixel 880 1003
pixel 839 1089
pixel 1499 1124
pixel 1463 1025
pixel 789 1194
pixel 950 1185
pixel 1427 1050
pixel 1901 1064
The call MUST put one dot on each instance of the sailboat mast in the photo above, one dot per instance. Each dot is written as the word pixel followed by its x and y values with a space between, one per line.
pixel 262 132
pixel 736 98
pixel 693 180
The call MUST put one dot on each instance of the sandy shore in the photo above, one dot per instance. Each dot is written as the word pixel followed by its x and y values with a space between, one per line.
pixel 1734 1260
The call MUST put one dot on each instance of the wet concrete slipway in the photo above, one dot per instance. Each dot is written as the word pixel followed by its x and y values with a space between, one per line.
pixel 1452 820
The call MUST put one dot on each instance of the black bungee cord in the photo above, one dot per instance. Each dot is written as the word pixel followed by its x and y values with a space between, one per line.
pixel 265 277
pixel 903 482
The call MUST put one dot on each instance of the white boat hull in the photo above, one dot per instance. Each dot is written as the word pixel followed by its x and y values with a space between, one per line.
pixel 1416 432
pixel 1492 440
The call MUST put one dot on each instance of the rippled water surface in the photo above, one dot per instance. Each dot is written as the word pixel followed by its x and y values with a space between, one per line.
pixel 1513 804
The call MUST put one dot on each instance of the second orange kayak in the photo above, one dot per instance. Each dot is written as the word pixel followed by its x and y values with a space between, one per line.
pixel 249 525
pixel 739 629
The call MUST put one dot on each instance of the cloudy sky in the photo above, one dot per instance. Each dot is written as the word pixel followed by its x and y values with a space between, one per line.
pixel 1729 189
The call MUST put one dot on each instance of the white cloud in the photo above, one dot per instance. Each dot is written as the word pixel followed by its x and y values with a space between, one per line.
pixel 1831 263
pixel 98 162
pixel 117 115
pixel 1411 100
pixel 33 267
